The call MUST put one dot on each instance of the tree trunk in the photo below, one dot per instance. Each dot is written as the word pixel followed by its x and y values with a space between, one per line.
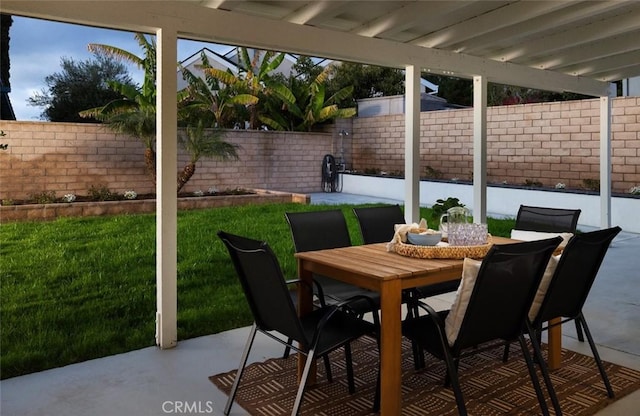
pixel 150 162
pixel 186 174
pixel 254 122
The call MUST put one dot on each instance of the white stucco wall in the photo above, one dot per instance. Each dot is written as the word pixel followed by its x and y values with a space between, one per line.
pixel 502 201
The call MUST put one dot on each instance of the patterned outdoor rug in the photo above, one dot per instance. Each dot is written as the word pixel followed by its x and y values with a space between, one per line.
pixel 490 386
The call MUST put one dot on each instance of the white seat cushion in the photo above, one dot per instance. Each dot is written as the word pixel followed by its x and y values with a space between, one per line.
pixel 525 235
pixel 470 269
pixel 453 320
pixel 544 285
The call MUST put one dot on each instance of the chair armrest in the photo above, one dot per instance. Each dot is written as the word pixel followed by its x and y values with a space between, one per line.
pixel 439 323
pixel 371 302
pixel 314 283
pixel 332 309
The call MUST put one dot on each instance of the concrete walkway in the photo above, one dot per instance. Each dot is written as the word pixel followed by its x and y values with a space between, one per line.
pixel 160 382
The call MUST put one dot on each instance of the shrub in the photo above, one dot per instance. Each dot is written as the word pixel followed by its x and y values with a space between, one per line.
pixel 44 197
pixel 433 173
pixel 534 183
pixel 591 184
pixel 101 193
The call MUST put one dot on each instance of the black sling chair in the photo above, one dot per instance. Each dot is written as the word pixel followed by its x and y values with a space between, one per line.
pixel 317 334
pixel 549 220
pixel 568 291
pixel 500 299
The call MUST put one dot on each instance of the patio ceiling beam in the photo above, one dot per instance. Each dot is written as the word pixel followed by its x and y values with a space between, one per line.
pixel 216 4
pixel 627 72
pixel 435 11
pixel 594 50
pixel 312 11
pixel 606 65
pixel 502 17
pixel 196 22
pixel 398 20
pixel 522 29
pixel 583 34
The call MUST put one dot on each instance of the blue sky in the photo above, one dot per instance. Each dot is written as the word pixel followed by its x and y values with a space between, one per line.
pixel 37 46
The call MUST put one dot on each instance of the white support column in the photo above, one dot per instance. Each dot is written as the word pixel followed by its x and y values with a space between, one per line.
pixel 605 159
pixel 166 189
pixel 412 144
pixel 479 149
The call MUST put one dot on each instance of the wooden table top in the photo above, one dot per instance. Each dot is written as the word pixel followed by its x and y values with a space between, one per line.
pixel 372 262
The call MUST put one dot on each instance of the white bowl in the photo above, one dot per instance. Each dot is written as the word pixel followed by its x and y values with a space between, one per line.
pixel 424 239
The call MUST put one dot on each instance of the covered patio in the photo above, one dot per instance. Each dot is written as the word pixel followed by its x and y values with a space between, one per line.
pixel 560 46
pixel 153 381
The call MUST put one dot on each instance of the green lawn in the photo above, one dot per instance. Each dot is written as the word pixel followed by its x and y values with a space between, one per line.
pixel 81 288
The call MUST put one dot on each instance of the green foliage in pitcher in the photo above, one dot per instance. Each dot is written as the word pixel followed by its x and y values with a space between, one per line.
pixel 441 206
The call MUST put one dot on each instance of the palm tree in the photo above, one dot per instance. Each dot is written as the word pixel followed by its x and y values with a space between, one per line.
pixel 135 113
pixel 199 143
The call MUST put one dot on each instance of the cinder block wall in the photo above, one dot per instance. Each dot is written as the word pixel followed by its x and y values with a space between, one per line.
pixel 547 143
pixel 73 157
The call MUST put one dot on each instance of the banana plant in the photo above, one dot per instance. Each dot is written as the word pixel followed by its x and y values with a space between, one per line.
pixel 307 105
pixel 254 77
pixel 216 93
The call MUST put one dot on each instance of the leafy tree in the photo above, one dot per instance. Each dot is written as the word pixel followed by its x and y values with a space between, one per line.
pixel 6 21
pixel 305 69
pixel 500 94
pixel 460 91
pixel 78 86
pixel 200 143
pixel 455 90
pixel 367 81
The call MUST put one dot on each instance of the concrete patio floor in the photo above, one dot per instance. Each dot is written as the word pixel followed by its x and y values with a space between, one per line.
pixel 155 382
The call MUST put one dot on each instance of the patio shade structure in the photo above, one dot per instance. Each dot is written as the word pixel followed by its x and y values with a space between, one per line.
pixel 576 46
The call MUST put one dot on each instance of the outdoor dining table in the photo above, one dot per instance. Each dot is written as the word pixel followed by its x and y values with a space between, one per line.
pixel 372 267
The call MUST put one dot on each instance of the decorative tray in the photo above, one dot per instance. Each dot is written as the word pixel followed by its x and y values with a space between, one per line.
pixel 443 252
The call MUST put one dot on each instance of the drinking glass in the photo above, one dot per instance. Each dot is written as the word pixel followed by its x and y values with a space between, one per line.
pixel 467 234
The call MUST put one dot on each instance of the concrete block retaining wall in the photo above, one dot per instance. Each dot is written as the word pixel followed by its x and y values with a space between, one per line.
pixel 73 157
pixel 42 212
pixel 548 142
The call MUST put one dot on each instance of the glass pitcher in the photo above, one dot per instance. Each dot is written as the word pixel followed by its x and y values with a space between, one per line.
pixel 455 215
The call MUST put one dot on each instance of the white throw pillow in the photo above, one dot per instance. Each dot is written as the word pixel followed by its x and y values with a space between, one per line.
pixel 524 235
pixel 544 285
pixel 453 321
